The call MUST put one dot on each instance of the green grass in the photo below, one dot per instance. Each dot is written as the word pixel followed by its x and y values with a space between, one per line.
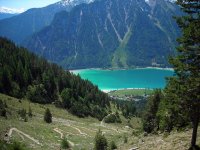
pixel 120 56
pixel 64 121
pixel 129 92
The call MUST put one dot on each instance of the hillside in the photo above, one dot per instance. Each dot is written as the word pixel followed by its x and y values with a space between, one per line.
pixel 23 74
pixel 80 132
pixel 6 15
pixel 20 27
pixel 110 33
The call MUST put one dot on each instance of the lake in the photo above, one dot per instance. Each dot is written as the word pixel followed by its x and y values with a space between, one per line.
pixel 121 79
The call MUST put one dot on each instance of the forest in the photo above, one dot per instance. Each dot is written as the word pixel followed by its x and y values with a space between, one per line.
pixel 25 75
pixel 178 105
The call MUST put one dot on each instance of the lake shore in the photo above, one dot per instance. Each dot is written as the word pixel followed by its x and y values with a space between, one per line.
pixel 76 71
pixel 120 89
pixel 123 79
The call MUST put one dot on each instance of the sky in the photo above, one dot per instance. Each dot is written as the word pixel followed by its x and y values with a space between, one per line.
pixel 26 4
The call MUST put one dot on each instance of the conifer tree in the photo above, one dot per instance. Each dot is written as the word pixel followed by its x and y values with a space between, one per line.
pixel 48 116
pixel 187 63
pixel 150 121
pixel 100 141
pixel 30 114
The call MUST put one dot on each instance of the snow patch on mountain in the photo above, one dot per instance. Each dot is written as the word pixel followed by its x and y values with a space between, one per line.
pixel 11 10
pixel 73 2
pixel 172 1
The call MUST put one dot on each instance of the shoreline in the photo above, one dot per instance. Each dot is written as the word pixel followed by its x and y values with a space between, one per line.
pixel 114 69
pixel 110 90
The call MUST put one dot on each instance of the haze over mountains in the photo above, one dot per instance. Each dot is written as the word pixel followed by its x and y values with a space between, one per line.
pixel 105 33
pixel 19 27
pixel 9 12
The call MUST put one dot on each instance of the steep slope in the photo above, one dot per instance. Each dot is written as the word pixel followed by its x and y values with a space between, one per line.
pixel 110 33
pixel 19 27
pixel 23 74
pixel 6 15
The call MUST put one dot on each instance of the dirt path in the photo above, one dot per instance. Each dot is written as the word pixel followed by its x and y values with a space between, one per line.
pixel 102 121
pixel 71 143
pixel 59 131
pixel 70 124
pixel 24 134
pixel 61 136
pixel 77 129
pixel 91 130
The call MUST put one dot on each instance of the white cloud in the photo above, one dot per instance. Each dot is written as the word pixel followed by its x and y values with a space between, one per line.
pixel 11 10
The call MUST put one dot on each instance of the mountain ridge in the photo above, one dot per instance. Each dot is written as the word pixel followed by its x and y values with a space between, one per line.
pixel 19 27
pixel 90 35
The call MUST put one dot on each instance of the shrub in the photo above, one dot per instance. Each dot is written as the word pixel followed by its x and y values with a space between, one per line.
pixel 3 108
pixel 112 118
pixel 125 139
pixel 30 114
pixel 22 113
pixel 48 116
pixel 112 145
pixel 65 144
pixel 100 141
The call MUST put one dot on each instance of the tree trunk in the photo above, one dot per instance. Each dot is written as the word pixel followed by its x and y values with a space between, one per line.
pixel 194 132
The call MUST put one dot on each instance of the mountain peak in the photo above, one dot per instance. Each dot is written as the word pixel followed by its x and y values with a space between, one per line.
pixel 73 2
pixel 11 10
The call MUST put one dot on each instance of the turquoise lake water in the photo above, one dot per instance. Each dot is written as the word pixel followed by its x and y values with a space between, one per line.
pixel 120 79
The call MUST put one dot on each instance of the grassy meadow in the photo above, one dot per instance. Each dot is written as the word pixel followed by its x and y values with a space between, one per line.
pixel 80 132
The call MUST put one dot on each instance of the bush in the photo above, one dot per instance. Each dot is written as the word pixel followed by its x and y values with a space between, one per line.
pixel 65 144
pixel 125 139
pixel 100 141
pixel 22 113
pixel 30 112
pixel 14 145
pixel 112 145
pixel 3 108
pixel 112 118
pixel 48 116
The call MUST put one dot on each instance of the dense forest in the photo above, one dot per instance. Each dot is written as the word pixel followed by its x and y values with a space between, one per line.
pixel 25 75
pixel 178 105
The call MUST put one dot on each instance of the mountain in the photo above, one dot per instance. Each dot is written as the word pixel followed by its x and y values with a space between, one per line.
pixel 24 25
pixel 9 12
pixel 6 15
pixel 110 33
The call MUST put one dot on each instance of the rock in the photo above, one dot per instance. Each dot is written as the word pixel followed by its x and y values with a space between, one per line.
pixel 134 148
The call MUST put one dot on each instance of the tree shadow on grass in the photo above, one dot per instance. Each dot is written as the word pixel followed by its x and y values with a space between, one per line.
pixel 194 148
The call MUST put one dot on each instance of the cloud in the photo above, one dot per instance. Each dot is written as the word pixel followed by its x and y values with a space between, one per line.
pixel 11 10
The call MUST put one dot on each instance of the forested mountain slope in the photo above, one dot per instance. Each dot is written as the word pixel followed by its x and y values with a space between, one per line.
pixel 110 33
pixel 23 74
pixel 19 27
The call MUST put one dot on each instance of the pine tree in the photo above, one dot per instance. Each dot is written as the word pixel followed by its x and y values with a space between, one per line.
pixel 30 114
pixel 187 62
pixel 100 141
pixel 150 121
pixel 48 116
pixel 2 109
